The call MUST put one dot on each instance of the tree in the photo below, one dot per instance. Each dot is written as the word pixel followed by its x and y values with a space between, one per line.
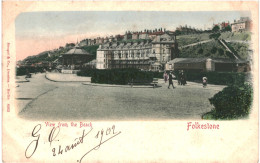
pixel 228 28
pixel 214 50
pixel 216 28
pixel 200 51
pixel 221 51
pixel 177 32
pixel 214 36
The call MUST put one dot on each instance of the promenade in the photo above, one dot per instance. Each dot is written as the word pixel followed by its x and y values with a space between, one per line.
pixel 44 99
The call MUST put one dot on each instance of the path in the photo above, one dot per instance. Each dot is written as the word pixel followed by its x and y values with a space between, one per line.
pixel 48 100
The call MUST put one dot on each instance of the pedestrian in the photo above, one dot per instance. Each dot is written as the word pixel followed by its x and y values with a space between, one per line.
pixel 165 76
pixel 170 80
pixel 204 81
pixel 179 77
pixel 183 79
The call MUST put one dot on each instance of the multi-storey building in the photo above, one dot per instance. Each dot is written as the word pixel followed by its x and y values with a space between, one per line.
pixel 244 24
pixel 135 36
pixel 147 54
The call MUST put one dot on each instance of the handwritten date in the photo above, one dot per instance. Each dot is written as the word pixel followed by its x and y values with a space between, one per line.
pixel 102 136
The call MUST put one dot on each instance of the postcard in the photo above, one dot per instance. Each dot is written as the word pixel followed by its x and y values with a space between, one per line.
pixel 157 81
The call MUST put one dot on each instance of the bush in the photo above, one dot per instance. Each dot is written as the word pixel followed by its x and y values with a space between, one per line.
pixel 231 103
pixel 200 51
pixel 25 70
pixel 213 50
pixel 214 36
pixel 119 76
pixel 218 78
pixel 221 51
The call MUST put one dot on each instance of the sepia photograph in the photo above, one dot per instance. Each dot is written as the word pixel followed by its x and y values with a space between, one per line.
pixel 133 65
pixel 130 81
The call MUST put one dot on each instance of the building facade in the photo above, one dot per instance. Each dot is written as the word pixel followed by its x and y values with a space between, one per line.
pixel 244 24
pixel 208 64
pixel 146 54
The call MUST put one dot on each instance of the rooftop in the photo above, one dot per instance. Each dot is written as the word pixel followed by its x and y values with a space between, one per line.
pixel 77 51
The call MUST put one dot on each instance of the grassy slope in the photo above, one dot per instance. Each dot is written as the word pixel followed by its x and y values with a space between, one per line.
pixel 209 49
pixel 238 36
pixel 204 50
pixel 193 38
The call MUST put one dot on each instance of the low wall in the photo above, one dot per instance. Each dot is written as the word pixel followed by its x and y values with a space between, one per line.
pixel 69 71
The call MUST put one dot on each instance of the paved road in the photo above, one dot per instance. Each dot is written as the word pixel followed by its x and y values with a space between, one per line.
pixel 42 99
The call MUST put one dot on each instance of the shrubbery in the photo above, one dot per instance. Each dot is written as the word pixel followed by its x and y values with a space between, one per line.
pixel 119 76
pixel 25 70
pixel 218 78
pixel 231 103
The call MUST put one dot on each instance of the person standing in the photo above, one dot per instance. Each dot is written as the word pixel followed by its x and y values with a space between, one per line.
pixel 165 76
pixel 170 80
pixel 204 81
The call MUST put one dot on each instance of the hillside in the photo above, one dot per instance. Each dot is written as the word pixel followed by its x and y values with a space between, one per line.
pixel 192 38
pixel 236 41
pixel 237 36
pixel 52 55
pixel 214 49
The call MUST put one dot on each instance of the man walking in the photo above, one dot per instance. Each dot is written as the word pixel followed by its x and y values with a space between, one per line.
pixel 170 80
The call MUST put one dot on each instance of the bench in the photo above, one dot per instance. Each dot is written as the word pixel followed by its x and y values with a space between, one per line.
pixel 155 82
pixel 28 75
pixel 144 82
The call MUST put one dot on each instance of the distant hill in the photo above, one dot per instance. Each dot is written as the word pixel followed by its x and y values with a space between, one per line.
pixel 210 49
pixel 52 55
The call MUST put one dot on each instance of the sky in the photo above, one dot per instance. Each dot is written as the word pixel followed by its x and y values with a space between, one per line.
pixel 40 31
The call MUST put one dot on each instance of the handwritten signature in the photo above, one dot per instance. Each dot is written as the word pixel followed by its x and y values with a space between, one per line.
pixel 107 135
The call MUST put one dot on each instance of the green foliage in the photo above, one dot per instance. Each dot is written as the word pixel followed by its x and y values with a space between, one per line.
pixel 214 36
pixel 213 50
pixel 177 32
pixel 190 52
pixel 119 76
pixel 216 28
pixel 239 36
pixel 191 38
pixel 37 58
pixel 91 49
pixel 241 49
pixel 231 103
pixel 220 51
pixel 216 50
pixel 218 78
pixel 230 55
pixel 232 49
pixel 228 28
pixel 25 70
pixel 200 51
